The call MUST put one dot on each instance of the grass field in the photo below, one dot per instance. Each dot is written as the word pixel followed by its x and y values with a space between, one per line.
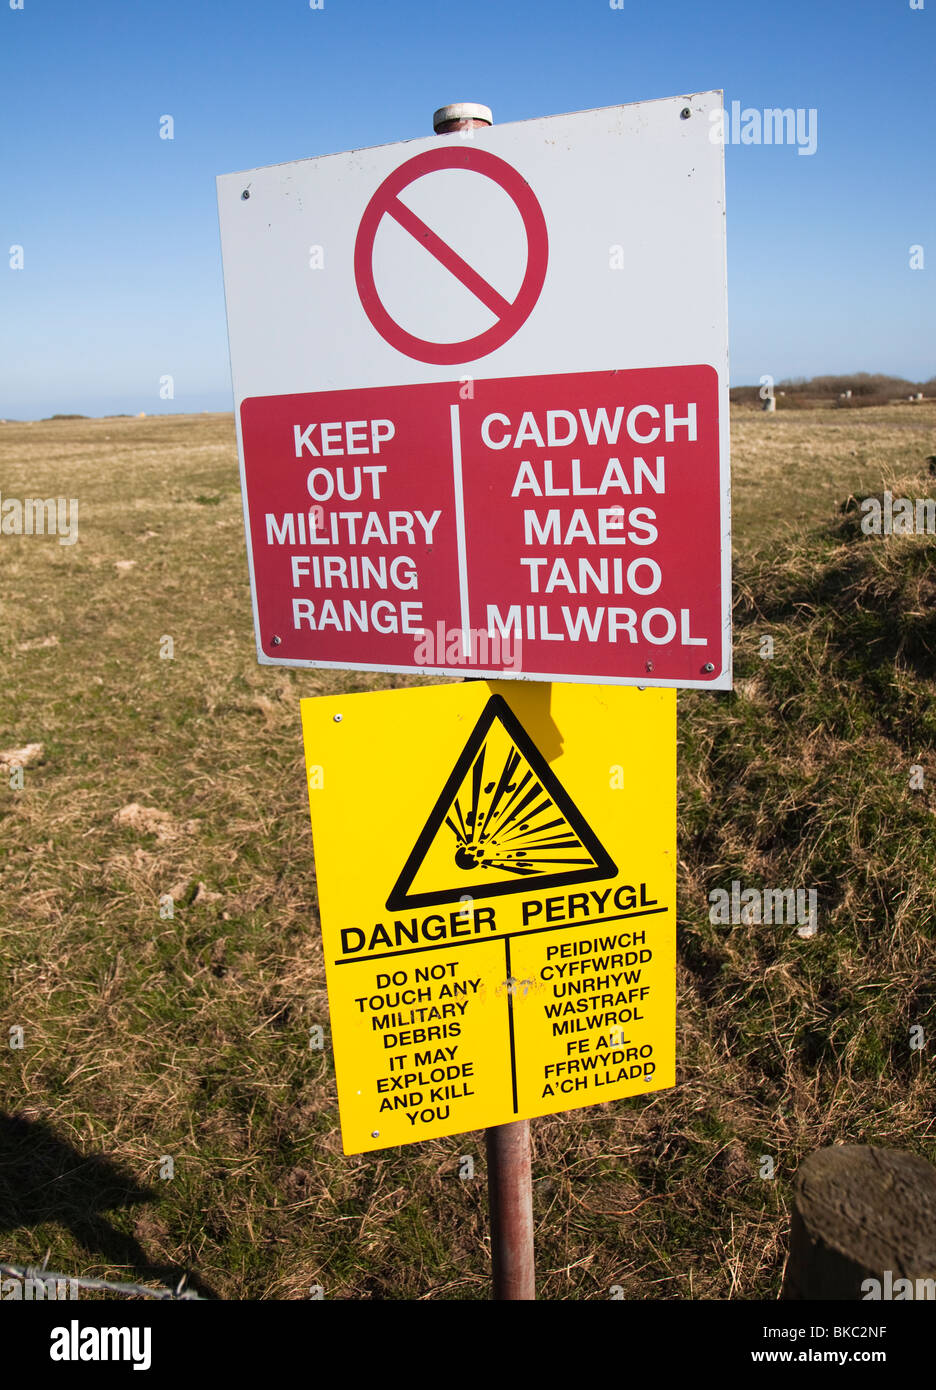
pixel 146 1037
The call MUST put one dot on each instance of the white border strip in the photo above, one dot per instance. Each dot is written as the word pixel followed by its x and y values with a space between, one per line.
pixel 460 528
pixel 722 682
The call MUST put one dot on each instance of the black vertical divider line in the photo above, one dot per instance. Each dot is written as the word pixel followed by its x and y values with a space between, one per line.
pixel 510 1024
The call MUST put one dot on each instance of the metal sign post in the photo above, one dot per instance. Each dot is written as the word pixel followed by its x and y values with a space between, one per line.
pixel 510 1202
pixel 510 1181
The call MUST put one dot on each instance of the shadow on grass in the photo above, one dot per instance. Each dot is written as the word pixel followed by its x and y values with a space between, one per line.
pixel 874 596
pixel 43 1180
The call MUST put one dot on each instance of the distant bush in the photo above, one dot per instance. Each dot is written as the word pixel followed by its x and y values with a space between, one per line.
pixel 867 388
pixel 795 401
pixel 857 402
pixel 66 417
pixel 745 395
pixel 860 384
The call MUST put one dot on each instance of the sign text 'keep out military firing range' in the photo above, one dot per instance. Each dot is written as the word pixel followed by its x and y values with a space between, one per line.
pixel 481 390
pixel 496 881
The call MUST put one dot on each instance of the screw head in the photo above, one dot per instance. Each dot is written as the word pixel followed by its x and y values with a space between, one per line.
pixel 708 667
pixel 337 718
pixel 246 193
pixel 685 113
pixel 649 666
pixel 375 1134
pixel 276 642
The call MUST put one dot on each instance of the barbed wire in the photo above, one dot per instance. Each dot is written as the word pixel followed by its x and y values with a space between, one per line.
pixel 44 1275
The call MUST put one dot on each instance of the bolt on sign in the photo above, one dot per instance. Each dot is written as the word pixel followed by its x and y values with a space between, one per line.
pixel 482 400
pixel 496 882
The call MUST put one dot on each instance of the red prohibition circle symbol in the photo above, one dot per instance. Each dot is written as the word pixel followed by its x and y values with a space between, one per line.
pixel 510 315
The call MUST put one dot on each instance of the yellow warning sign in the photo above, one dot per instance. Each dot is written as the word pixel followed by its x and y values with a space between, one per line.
pixel 496 881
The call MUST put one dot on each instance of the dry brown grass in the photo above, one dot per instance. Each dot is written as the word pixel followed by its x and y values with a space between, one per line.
pixel 147 1036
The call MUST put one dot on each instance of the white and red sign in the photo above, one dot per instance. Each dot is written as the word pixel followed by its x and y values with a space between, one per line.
pixel 481 392
pixel 510 314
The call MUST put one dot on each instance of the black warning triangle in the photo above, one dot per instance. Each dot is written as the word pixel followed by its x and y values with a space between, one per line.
pixel 503 823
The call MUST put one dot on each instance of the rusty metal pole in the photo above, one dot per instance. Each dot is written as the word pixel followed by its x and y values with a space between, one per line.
pixel 510 1200
pixel 510 1188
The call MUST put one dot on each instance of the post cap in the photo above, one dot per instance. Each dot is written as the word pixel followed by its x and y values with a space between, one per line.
pixel 462 111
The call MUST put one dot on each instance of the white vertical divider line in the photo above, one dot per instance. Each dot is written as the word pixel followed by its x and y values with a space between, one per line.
pixel 460 529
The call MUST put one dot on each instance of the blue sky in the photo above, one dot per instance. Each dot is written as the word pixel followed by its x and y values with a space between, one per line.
pixel 121 280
